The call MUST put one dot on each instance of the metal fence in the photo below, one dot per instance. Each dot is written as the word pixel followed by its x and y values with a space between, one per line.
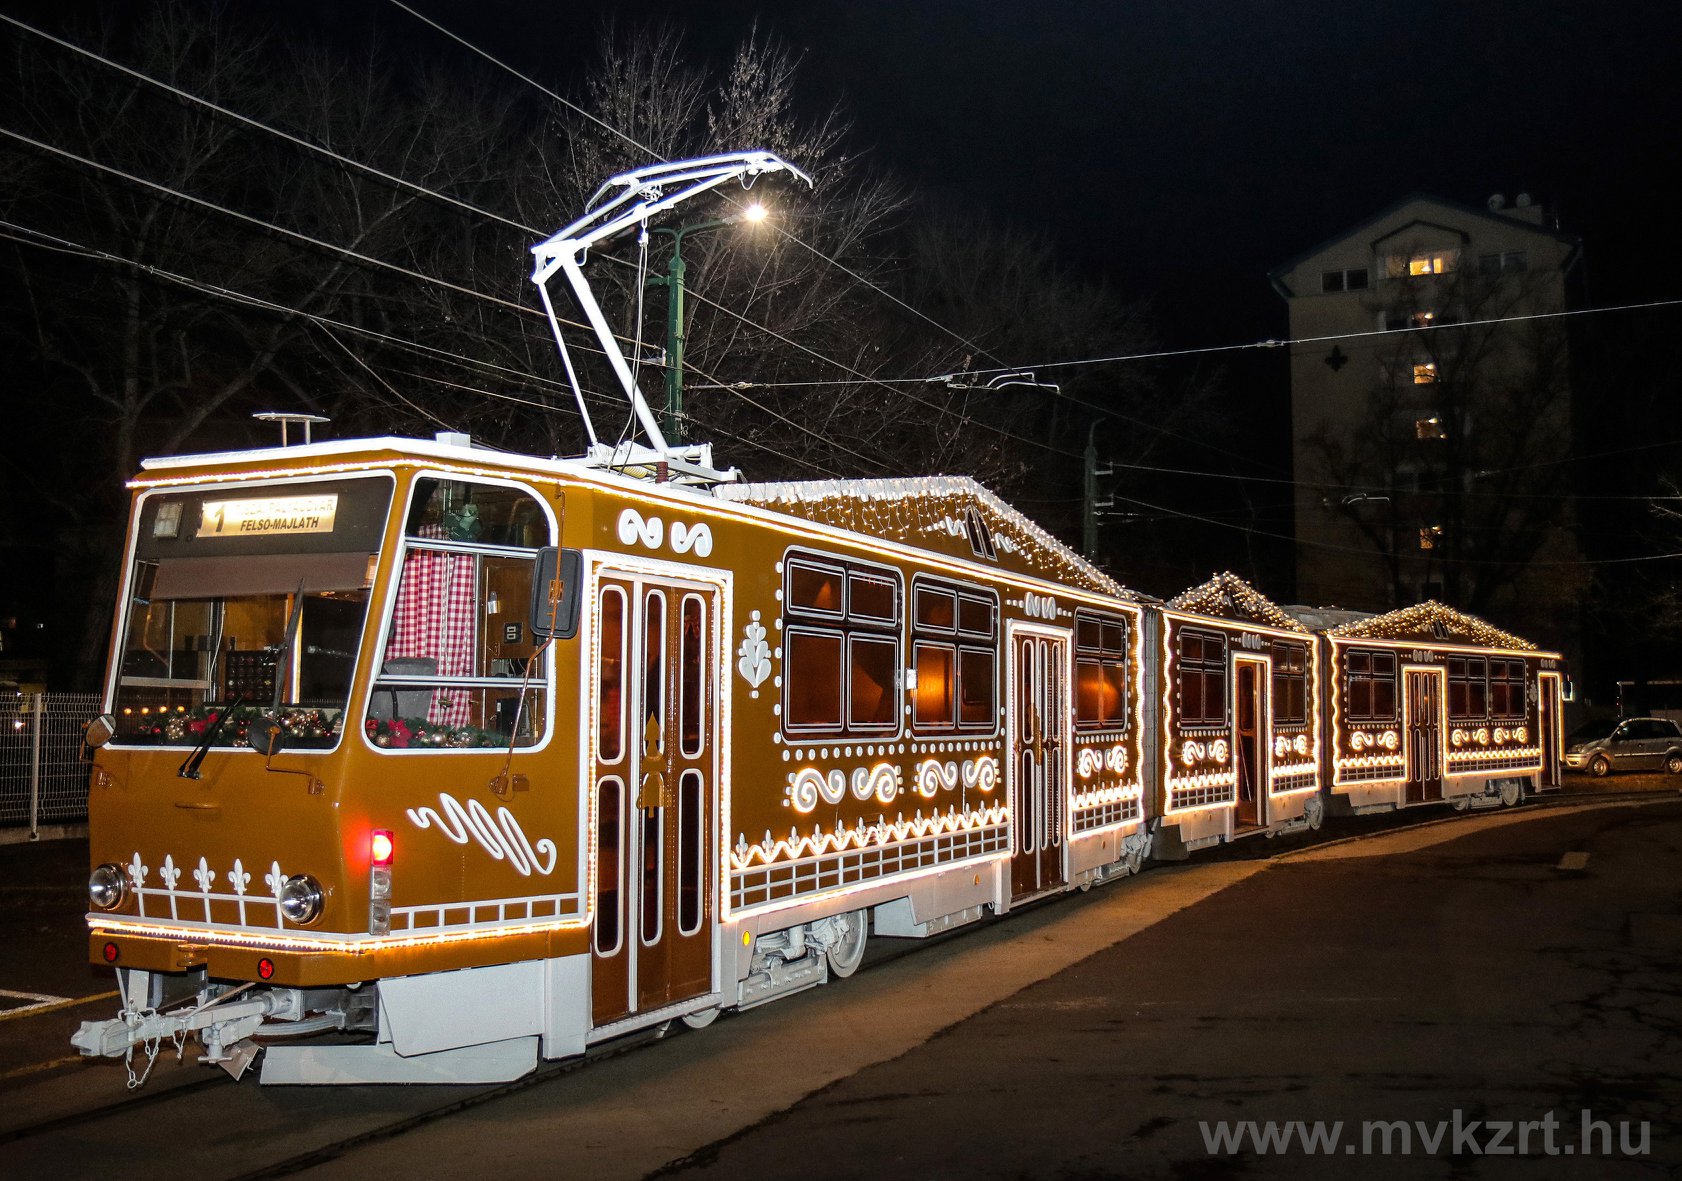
pixel 43 768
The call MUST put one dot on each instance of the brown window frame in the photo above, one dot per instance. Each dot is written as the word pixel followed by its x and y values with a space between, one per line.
pixel 1362 680
pixel 1207 671
pixel 957 639
pixel 1290 683
pixel 854 631
pixel 1104 657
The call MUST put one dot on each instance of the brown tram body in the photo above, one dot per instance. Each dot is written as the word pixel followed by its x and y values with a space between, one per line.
pixel 774 719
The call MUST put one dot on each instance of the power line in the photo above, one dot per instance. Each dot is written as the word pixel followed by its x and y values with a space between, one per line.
pixel 39 239
pixel 655 156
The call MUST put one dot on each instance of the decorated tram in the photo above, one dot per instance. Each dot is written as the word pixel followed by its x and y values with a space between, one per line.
pixel 423 762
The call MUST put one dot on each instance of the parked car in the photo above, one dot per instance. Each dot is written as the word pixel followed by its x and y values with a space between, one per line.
pixel 1628 744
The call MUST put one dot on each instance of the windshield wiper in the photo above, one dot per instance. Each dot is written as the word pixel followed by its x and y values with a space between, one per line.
pixel 190 768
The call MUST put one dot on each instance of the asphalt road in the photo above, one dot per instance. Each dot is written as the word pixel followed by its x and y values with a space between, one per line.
pixel 1406 976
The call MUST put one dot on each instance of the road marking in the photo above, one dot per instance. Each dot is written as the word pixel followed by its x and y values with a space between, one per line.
pixel 1576 859
pixel 38 1067
pixel 49 1004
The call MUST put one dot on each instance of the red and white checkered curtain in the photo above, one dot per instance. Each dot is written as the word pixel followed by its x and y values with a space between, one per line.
pixel 437 618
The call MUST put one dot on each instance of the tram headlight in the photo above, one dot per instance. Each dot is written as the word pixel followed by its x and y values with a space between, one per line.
pixel 300 899
pixel 107 886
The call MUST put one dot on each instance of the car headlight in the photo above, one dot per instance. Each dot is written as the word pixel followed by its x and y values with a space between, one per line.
pixel 107 886
pixel 300 899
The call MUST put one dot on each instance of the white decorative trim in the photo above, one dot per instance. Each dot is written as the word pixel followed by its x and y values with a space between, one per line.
pixel 755 654
pixel 980 774
pixel 771 851
pixel 500 836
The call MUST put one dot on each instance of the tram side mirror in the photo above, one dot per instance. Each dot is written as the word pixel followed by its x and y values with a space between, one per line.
pixel 267 736
pixel 554 592
pixel 100 730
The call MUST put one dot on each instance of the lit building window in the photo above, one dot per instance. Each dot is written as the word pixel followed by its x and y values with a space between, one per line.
pixel 1429 428
pixel 1424 372
pixel 1423 263
pixel 1429 536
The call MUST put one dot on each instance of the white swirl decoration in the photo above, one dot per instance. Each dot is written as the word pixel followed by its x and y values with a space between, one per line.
pixel 634 528
pixel 809 785
pixel 1116 759
pixel 981 775
pixel 932 775
pixel 1089 763
pixel 500 836
pixel 698 538
pixel 1219 751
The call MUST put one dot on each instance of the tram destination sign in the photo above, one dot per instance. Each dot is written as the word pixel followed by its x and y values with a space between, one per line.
pixel 268 516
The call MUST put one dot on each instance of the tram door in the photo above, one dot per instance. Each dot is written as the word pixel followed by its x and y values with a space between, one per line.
pixel 1039 748
pixel 1250 753
pixel 654 695
pixel 1424 736
pixel 1547 729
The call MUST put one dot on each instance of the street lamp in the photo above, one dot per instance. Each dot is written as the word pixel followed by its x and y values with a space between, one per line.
pixel 673 281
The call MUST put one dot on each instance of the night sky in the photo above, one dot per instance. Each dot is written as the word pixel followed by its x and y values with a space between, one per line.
pixel 1179 151
pixel 1182 150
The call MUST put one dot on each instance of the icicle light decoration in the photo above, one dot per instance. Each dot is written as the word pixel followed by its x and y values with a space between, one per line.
pixel 1429 621
pixel 1227 596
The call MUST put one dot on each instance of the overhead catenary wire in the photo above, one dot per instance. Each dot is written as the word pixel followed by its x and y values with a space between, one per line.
pixel 423 190
pixel 655 156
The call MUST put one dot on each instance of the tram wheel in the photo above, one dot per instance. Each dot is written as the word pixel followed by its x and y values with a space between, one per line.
pixel 700 1020
pixel 846 953
pixel 1512 791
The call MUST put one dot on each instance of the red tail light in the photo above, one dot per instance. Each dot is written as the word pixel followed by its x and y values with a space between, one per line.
pixel 381 848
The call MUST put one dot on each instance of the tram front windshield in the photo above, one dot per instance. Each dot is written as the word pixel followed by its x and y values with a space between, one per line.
pixel 243 603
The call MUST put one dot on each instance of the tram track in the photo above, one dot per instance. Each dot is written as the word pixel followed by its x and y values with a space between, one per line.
pixel 882 953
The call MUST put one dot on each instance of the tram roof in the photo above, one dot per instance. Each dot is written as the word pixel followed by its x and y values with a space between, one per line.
pixel 1227 596
pixel 1432 621
pixel 952 515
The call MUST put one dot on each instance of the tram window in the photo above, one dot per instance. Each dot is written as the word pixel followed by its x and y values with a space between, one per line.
pixel 1100 671
pixel 653 658
pixel 1202 675
pixel 1507 690
pixel 460 667
pixel 652 902
pixel 936 609
pixel 610 798
pixel 812 690
pixel 869 597
pixel 610 677
pixel 873 703
pixel 1290 684
pixel 936 681
pixel 1467 688
pixel 977 702
pixel 815 589
pixel 954 655
pixel 841 651
pixel 691 867
pixel 977 617
pixel 692 677
pixel 1370 685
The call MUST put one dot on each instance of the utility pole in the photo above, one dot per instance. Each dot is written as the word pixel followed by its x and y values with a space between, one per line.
pixel 673 282
pixel 1089 496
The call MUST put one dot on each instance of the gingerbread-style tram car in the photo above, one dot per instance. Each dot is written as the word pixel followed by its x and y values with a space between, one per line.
pixel 422 762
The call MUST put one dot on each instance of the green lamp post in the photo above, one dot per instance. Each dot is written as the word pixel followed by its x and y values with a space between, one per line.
pixel 673 282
